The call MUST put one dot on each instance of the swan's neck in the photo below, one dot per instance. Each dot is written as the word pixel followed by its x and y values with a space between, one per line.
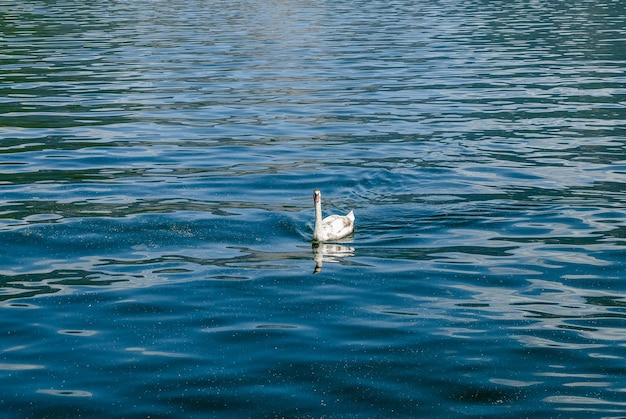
pixel 317 229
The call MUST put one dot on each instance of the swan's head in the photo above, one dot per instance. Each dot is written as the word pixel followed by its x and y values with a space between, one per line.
pixel 317 196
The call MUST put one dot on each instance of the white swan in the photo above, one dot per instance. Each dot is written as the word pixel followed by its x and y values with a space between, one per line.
pixel 333 227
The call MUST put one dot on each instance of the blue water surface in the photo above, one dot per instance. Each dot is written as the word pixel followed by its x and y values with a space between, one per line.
pixel 157 164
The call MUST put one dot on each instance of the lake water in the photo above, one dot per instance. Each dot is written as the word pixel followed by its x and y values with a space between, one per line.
pixel 157 165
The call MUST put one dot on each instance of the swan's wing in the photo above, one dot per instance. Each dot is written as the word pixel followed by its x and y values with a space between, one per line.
pixel 338 226
pixel 335 222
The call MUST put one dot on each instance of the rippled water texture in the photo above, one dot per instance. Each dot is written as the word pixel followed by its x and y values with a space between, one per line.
pixel 157 163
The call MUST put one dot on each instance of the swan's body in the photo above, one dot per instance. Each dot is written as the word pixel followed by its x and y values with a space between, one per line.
pixel 333 227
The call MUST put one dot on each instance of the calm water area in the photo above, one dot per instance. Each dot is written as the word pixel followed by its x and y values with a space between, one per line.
pixel 157 165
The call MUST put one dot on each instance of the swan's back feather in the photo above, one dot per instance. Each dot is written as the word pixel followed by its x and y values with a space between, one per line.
pixel 335 227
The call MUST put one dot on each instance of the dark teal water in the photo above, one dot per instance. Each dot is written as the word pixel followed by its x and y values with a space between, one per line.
pixel 157 163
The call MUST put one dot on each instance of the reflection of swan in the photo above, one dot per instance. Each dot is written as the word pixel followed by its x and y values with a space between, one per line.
pixel 333 227
pixel 329 253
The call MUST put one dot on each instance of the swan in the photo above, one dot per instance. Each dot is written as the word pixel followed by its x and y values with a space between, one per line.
pixel 333 227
